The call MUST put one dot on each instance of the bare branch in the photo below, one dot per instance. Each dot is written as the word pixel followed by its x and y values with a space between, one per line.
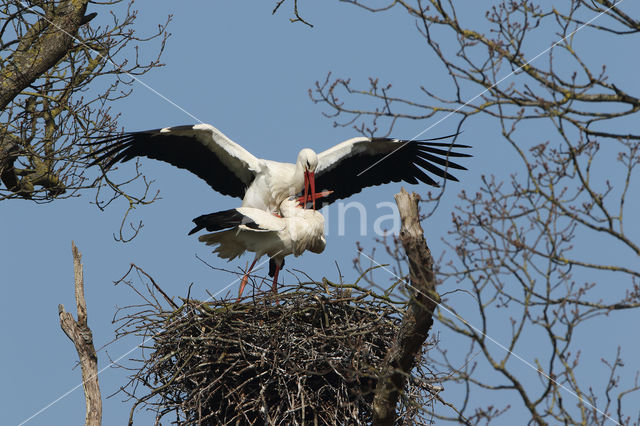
pixel 53 55
pixel 81 336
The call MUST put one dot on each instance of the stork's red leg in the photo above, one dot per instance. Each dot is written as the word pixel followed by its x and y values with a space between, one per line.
pixel 274 288
pixel 246 278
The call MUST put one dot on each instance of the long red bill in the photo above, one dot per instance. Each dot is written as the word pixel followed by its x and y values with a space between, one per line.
pixel 312 185
pixel 313 196
pixel 306 189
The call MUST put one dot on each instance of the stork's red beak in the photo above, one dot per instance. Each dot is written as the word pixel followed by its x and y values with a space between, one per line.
pixel 305 197
pixel 312 187
pixel 313 197
pixel 309 188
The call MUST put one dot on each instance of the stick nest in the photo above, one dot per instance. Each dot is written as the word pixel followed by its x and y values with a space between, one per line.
pixel 313 358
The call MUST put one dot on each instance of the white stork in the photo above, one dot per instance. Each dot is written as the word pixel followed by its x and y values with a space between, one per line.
pixel 232 170
pixel 261 232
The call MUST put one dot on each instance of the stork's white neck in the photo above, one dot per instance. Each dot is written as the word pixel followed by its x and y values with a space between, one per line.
pixel 289 208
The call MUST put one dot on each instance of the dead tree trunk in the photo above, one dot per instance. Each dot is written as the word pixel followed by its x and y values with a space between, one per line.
pixel 418 318
pixel 80 334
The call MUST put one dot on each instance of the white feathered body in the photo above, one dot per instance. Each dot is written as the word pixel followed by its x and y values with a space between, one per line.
pixel 298 231
pixel 274 183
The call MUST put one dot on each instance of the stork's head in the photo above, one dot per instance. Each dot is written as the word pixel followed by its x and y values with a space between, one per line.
pixel 308 161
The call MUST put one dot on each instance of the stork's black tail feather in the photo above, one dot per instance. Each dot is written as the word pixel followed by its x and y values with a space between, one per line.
pixel 220 220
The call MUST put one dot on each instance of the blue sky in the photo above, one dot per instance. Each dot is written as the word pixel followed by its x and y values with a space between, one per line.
pixel 247 73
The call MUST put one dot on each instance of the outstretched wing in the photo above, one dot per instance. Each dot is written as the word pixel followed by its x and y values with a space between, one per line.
pixel 358 163
pixel 202 149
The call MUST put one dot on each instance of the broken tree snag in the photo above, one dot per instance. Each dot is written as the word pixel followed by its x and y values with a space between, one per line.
pixel 80 335
pixel 418 317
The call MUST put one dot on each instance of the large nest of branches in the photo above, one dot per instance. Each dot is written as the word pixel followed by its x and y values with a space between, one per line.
pixel 312 357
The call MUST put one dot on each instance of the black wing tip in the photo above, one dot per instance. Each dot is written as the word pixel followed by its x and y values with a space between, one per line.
pixel 437 147
pixel 114 146
pixel 439 138
pixel 118 145
pixel 433 184
pixel 441 144
pixel 194 230
pixel 425 140
pixel 224 219
pixel 445 151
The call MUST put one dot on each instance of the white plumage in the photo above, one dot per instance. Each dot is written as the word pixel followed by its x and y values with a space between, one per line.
pixel 294 233
pixel 261 232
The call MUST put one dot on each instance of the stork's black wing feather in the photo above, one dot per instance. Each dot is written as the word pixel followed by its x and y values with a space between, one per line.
pixel 353 165
pixel 201 149
pixel 222 220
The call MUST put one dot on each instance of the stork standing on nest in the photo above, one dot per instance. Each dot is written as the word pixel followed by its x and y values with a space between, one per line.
pixel 228 168
pixel 262 232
